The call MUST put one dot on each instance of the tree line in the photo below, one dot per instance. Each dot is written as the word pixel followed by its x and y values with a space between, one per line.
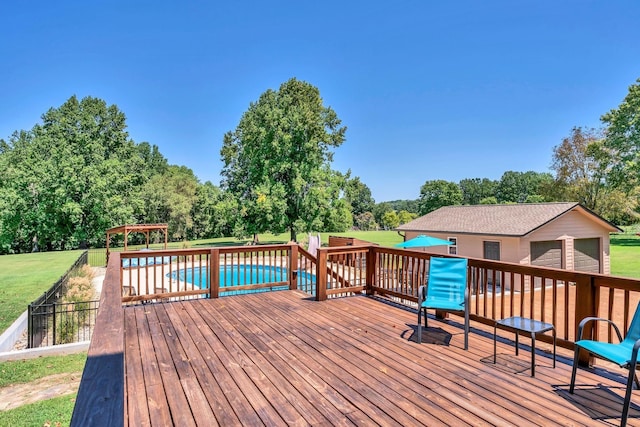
pixel 77 173
pixel 599 168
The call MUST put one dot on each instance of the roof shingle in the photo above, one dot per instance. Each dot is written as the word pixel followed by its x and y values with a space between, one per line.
pixel 503 220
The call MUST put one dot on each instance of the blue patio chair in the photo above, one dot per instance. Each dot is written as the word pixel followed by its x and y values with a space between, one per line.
pixel 446 290
pixel 624 353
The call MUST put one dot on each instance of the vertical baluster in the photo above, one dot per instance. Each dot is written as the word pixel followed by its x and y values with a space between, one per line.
pixel 566 306
pixel 626 309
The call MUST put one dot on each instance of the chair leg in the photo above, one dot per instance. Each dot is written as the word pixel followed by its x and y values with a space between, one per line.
pixel 627 395
pixel 425 317
pixel 575 368
pixel 466 329
pixel 419 332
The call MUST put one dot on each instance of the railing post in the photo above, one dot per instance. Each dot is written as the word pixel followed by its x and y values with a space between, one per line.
pixel 54 324
pixel 29 326
pixel 371 269
pixel 586 305
pixel 293 266
pixel 321 275
pixel 214 273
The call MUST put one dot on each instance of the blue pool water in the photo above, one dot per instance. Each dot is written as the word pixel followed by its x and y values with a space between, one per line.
pixel 243 274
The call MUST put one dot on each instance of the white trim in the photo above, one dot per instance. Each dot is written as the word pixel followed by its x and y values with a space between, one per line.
pixel 52 350
pixel 13 333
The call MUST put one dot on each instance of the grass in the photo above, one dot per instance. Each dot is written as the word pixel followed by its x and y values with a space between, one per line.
pixel 384 238
pixel 625 254
pixel 27 276
pixel 24 371
pixel 53 412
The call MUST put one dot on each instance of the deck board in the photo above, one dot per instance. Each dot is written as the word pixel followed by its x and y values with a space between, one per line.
pixel 280 358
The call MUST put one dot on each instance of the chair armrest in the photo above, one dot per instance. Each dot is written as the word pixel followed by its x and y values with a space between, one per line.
pixel 586 320
pixel 634 357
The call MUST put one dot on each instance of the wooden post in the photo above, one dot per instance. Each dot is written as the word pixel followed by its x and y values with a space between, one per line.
pixel 321 275
pixel 214 273
pixel 293 266
pixel 586 305
pixel 372 258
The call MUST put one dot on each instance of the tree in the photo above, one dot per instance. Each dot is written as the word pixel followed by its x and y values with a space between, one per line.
pixel 170 198
pixel 390 220
pixel 476 189
pixel 203 212
pixel 622 141
pixel 404 217
pixel 579 175
pixel 405 205
pixel 75 175
pixel 365 221
pixel 154 162
pixel 491 200
pixel 358 195
pixel 333 213
pixel 438 193
pixel 380 209
pixel 516 187
pixel 274 160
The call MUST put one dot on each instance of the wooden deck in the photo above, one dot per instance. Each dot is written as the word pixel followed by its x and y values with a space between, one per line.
pixel 280 358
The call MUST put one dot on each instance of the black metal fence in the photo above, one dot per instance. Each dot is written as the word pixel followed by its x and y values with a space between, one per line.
pixel 58 289
pixel 51 322
pixel 61 322
pixel 97 257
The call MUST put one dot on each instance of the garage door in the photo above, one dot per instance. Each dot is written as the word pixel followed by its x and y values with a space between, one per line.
pixel 586 255
pixel 547 253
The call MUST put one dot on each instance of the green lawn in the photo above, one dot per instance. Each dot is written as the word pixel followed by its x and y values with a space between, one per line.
pixel 25 277
pixel 625 254
pixel 52 412
pixel 24 371
pixel 383 238
pixel 46 412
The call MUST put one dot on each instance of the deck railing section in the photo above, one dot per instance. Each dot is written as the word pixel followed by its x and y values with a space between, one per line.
pixel 497 289
pixel 341 271
pixel 206 273
pixel 306 273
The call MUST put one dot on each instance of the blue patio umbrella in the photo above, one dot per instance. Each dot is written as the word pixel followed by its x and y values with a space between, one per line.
pixel 423 241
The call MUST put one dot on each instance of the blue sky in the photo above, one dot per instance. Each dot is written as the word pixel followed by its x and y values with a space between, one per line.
pixel 428 90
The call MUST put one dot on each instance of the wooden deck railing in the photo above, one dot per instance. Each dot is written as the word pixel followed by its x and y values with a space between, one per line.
pixel 101 400
pixel 207 272
pixel 498 290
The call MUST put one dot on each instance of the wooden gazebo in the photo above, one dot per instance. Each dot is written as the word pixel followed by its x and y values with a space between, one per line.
pixel 146 229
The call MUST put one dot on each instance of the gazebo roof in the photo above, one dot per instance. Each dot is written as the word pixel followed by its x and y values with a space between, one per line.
pixel 137 227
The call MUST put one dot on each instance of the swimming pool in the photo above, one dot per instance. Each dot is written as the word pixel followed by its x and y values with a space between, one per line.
pixel 244 274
